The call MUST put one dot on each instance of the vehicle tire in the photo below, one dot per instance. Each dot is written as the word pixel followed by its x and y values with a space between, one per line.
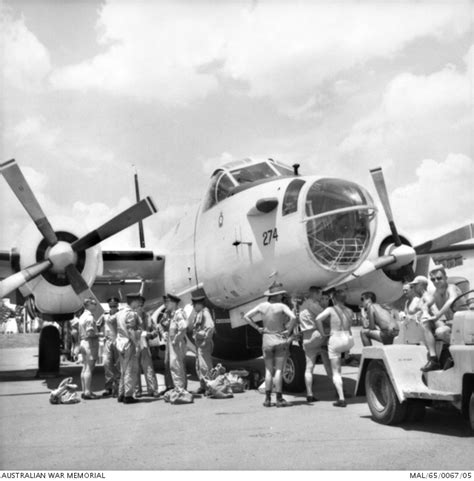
pixel 293 371
pixel 49 350
pixel 471 412
pixel 381 397
pixel 416 410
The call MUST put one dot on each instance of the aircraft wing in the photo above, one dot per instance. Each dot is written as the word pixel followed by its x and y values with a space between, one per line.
pixel 131 271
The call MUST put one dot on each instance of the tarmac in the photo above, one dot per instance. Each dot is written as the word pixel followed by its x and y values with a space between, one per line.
pixel 212 434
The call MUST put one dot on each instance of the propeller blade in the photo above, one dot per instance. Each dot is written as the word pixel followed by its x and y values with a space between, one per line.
pixel 16 280
pixel 22 190
pixel 458 235
pixel 379 181
pixel 128 217
pixel 80 287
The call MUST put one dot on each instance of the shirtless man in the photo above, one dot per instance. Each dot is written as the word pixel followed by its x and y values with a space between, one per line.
pixel 382 327
pixel 340 339
pixel 439 306
pixel 313 341
pixel 275 341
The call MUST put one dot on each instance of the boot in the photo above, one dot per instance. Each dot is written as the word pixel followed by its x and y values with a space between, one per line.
pixel 431 365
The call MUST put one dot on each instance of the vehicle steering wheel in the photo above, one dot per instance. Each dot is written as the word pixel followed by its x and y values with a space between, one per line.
pixel 464 302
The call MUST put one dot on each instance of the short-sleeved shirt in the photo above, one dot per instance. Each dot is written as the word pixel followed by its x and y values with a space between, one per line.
pixel 308 312
pixel 87 326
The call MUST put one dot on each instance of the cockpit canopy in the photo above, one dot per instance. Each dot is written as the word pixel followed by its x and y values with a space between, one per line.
pixel 241 174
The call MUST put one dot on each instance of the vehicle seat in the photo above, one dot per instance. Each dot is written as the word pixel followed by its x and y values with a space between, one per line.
pixel 410 333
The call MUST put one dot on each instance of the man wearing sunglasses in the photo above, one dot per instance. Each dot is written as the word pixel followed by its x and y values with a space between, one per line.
pixel 439 306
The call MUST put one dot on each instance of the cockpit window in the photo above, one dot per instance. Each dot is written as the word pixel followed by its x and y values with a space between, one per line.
pixel 219 188
pixel 283 170
pixel 290 201
pixel 223 187
pixel 252 173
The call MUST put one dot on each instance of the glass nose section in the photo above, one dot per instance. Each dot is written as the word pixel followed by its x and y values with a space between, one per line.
pixel 340 223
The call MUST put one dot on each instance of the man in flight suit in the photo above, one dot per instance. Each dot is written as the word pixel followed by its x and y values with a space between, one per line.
pixel 128 337
pixel 203 331
pixel 111 355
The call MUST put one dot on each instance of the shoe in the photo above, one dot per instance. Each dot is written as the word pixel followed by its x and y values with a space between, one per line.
pixel 107 393
pixel 138 395
pixel 201 390
pixel 130 400
pixel 115 394
pixel 165 390
pixel 267 403
pixel 120 399
pixel 89 396
pixel 340 403
pixel 155 395
pixel 282 403
pixel 431 365
pixel 311 399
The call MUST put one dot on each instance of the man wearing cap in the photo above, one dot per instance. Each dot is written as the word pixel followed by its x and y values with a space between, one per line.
pixel 128 337
pixel 145 362
pixel 163 319
pixel 88 347
pixel 275 340
pixel 439 306
pixel 111 355
pixel 177 341
pixel 203 331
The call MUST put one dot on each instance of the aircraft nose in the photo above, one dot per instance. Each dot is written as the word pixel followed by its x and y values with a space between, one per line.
pixel 340 218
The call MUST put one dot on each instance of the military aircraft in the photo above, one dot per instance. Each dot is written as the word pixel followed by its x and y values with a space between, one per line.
pixel 259 221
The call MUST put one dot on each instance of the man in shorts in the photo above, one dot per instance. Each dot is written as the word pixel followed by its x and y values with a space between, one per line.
pixel 439 306
pixel 313 341
pixel 340 339
pixel 382 326
pixel 275 339
pixel 88 347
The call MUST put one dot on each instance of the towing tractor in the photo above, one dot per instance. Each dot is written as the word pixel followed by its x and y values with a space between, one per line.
pixel 396 388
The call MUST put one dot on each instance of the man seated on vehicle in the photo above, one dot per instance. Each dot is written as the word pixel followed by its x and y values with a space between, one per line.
pixel 439 306
pixel 381 324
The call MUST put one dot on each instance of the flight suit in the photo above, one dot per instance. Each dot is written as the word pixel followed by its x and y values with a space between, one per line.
pixel 177 348
pixel 163 329
pixel 203 331
pixel 111 355
pixel 145 362
pixel 128 335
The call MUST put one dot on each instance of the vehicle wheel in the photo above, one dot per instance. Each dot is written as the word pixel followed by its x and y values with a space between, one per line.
pixel 471 412
pixel 416 410
pixel 381 397
pixel 49 352
pixel 293 371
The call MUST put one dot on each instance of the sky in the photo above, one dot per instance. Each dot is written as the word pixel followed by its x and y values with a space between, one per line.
pixel 92 90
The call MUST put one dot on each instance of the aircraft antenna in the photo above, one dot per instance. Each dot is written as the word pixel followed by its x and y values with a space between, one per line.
pixel 140 223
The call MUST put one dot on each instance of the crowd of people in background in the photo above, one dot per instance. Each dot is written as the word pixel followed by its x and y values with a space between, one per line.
pixel 320 322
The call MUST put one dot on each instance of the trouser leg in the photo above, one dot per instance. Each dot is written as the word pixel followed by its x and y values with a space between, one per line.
pixel 168 377
pixel 109 365
pixel 130 370
pixel 149 371
pixel 203 362
pixel 178 373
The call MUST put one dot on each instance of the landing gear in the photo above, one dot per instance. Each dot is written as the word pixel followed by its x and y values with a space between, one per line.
pixel 293 371
pixel 49 352
pixel 381 397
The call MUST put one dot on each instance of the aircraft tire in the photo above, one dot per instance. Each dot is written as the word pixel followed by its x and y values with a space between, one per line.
pixel 381 397
pixel 49 350
pixel 293 372
pixel 416 410
pixel 471 413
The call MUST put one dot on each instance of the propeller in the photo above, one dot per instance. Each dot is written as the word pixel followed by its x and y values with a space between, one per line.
pixel 402 253
pixel 458 235
pixel 62 255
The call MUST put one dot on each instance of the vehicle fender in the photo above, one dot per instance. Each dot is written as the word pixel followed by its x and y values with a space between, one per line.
pixel 403 364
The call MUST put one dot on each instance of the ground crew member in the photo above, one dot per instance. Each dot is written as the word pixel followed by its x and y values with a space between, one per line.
pixel 381 325
pixel 128 336
pixel 203 331
pixel 439 305
pixel 111 355
pixel 177 341
pixel 275 341
pixel 340 338
pixel 163 325
pixel 88 347
pixel 145 362
pixel 313 341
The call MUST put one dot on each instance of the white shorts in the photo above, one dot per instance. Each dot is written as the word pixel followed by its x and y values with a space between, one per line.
pixel 339 342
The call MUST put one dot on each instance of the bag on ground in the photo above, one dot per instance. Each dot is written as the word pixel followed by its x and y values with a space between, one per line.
pixel 65 393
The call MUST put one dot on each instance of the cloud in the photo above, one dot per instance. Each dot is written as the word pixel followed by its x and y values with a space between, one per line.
pixel 179 53
pixel 25 61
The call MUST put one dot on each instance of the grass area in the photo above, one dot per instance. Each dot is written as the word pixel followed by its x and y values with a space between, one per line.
pixel 18 340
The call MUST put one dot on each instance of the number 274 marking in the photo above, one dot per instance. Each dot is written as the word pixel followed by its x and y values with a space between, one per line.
pixel 268 235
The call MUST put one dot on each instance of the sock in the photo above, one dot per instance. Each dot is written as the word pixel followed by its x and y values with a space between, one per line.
pixel 279 396
pixel 268 395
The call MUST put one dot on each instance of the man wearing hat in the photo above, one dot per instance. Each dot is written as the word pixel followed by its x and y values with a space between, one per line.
pixel 111 355
pixel 203 331
pixel 162 316
pixel 128 337
pixel 145 362
pixel 275 340
pixel 177 341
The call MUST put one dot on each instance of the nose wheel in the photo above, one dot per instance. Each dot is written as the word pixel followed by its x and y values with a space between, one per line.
pixel 49 351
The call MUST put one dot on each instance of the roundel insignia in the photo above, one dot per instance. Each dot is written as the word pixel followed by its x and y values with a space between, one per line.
pixel 221 219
